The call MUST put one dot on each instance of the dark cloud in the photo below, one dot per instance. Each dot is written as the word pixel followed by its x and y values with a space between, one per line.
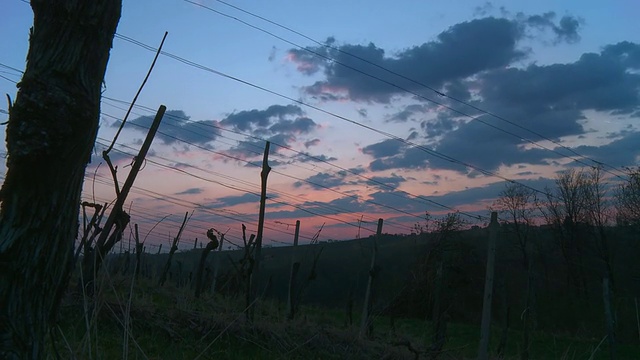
pixel 357 170
pixel 398 200
pixel 323 180
pixel 568 29
pixel 386 182
pixel 621 152
pixel 228 201
pixel 600 82
pixel 464 50
pixel 473 143
pixel 439 126
pixel 551 99
pixel 484 9
pixel 565 31
pixel 389 147
pixel 246 149
pixel 301 125
pixel 347 204
pixel 627 53
pixel 177 125
pixel 279 124
pixel 407 113
pixel 250 119
pixel 458 89
pixel 409 158
pixel 306 157
pixel 485 193
pixel 413 135
pixel 190 191
pixel 311 143
pixel 461 51
pixel 307 60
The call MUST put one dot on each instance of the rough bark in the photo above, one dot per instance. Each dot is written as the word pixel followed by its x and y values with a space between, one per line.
pixel 51 131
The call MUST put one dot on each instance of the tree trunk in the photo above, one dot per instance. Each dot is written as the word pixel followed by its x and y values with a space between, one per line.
pixel 51 131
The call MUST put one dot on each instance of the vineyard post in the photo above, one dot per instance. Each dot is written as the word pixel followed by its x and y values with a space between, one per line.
pixel 295 266
pixel 139 249
pixel 211 245
pixel 365 328
pixel 174 248
pixel 483 351
pixel 609 316
pixel 258 254
pixel 118 217
pixel 216 264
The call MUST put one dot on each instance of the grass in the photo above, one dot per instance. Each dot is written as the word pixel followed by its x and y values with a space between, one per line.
pixel 170 323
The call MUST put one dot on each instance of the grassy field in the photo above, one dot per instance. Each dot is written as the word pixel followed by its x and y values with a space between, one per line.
pixel 169 323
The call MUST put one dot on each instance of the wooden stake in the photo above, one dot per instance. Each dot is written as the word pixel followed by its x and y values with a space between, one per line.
pixel 258 254
pixel 292 276
pixel 174 248
pixel 485 328
pixel 135 168
pixel 366 309
pixel 637 317
pixel 139 248
pixel 118 217
pixel 609 316
pixel 216 265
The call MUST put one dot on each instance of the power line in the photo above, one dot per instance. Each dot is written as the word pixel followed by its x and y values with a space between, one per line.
pixel 431 152
pixel 280 193
pixel 187 173
pixel 420 197
pixel 423 148
pixel 9 80
pixel 11 68
pixel 177 201
pixel 275 171
pixel 438 92
pixel 296 178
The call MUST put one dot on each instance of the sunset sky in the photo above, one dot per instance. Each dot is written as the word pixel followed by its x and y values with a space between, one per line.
pixel 375 109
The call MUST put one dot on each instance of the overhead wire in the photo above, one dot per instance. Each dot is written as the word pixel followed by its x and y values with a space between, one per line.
pixel 420 197
pixel 182 202
pixel 439 93
pixel 404 77
pixel 434 153
pixel 299 207
pixel 409 143
pixel 277 172
pixel 289 204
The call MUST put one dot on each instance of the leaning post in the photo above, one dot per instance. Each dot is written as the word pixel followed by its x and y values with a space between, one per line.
pixel 485 327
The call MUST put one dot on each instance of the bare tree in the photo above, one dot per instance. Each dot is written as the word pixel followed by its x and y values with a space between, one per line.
pixel 564 209
pixel 599 215
pixel 518 203
pixel 51 132
pixel 627 197
pixel 443 229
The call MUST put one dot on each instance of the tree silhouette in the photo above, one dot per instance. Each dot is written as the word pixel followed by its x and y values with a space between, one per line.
pixel 50 134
